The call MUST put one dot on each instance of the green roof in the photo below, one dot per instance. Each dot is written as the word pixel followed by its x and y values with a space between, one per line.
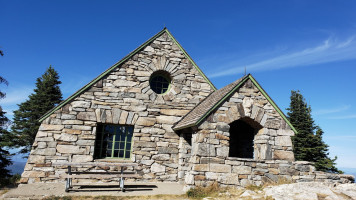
pixel 81 90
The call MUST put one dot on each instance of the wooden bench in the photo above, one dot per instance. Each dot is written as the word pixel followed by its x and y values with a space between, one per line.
pixel 93 174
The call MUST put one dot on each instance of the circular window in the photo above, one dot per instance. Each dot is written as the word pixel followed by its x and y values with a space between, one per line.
pixel 160 82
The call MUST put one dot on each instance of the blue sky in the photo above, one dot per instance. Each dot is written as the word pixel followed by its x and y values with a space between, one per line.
pixel 287 45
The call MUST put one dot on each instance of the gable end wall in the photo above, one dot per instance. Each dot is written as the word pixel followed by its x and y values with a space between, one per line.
pixel 207 160
pixel 123 97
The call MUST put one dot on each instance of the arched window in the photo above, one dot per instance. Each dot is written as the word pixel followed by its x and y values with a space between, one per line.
pixel 242 133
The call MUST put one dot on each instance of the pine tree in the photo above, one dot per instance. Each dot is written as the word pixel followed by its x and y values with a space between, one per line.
pixel 300 116
pixel 321 160
pixel 2 80
pixel 308 144
pixel 25 123
pixel 4 154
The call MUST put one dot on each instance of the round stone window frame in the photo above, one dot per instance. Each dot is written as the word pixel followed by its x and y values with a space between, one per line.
pixel 165 75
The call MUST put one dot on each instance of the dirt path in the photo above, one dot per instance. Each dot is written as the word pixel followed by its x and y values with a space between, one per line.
pixel 41 190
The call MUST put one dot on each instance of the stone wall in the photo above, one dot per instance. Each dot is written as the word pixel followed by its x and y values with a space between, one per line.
pixel 185 149
pixel 198 155
pixel 273 135
pixel 124 97
pixel 244 172
pixel 273 156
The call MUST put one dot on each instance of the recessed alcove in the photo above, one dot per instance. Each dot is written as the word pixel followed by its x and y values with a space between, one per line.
pixel 242 133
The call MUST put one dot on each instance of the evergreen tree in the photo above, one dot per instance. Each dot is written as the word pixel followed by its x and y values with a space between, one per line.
pixel 4 154
pixel 300 116
pixel 321 160
pixel 2 80
pixel 308 144
pixel 25 123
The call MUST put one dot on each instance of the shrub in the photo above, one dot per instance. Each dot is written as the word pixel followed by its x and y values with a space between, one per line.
pixel 254 187
pixel 201 192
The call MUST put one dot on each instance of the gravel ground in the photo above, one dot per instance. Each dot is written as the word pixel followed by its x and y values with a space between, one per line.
pixel 294 191
pixel 41 190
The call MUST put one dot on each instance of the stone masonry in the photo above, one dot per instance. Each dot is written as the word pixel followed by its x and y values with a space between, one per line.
pixel 273 156
pixel 196 153
pixel 124 97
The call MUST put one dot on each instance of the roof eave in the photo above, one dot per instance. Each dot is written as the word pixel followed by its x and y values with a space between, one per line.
pixel 269 99
pixel 100 76
pixel 164 30
pixel 191 60
pixel 215 106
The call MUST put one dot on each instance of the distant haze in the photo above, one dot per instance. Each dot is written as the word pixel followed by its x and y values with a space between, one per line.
pixel 351 171
pixel 17 167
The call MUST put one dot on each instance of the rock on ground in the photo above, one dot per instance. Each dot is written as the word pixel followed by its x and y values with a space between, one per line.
pixel 311 191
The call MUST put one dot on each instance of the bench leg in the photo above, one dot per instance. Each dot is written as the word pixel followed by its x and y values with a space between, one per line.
pixel 122 184
pixel 67 185
pixel 122 180
pixel 70 173
pixel 69 180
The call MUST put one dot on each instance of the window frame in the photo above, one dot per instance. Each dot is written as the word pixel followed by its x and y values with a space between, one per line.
pixel 98 152
pixel 164 76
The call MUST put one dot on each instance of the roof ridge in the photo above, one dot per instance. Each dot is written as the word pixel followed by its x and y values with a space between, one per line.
pixel 270 100
pixel 216 101
pixel 207 110
pixel 191 60
pixel 92 82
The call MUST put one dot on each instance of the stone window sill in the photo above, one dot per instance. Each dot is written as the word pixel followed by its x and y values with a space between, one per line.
pixel 241 159
pixel 115 160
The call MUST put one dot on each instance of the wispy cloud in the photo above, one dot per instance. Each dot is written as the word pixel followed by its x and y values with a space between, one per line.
pixel 346 43
pixel 344 117
pixel 9 113
pixel 330 50
pixel 332 110
pixel 16 95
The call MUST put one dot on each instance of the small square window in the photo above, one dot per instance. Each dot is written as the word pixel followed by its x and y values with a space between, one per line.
pixel 113 141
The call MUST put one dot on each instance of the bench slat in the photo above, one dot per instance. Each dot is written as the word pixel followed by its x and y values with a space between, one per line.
pixel 99 176
pixel 108 173
pixel 95 164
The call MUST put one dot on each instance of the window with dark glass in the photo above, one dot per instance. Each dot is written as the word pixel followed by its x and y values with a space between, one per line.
pixel 159 83
pixel 113 141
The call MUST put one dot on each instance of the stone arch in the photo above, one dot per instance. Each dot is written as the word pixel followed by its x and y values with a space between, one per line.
pixel 241 110
pixel 161 63
pixel 242 136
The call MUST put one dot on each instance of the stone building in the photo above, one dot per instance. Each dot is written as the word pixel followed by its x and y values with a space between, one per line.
pixel 155 107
